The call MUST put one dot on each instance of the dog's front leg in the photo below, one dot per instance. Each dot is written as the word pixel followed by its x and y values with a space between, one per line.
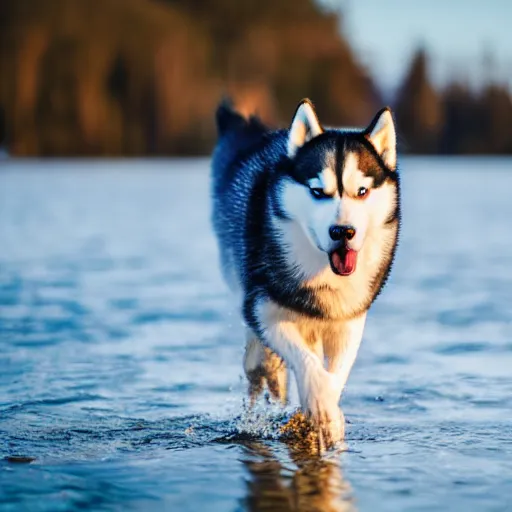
pixel 319 390
pixel 341 349
pixel 319 393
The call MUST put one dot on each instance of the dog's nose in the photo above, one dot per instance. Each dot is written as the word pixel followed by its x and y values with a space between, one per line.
pixel 338 233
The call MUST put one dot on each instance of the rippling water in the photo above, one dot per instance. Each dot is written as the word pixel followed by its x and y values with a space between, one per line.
pixel 120 365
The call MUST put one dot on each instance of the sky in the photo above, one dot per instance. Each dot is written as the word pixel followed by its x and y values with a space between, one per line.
pixel 457 34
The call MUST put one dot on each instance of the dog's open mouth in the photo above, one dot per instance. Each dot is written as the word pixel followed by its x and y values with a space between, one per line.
pixel 343 261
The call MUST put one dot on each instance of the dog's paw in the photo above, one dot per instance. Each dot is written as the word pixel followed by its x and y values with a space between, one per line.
pixel 320 394
pixel 262 366
pixel 328 421
pixel 308 434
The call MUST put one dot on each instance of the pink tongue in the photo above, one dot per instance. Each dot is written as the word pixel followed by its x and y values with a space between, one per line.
pixel 346 265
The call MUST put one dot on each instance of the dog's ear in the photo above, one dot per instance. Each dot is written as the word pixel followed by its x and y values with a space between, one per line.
pixel 304 127
pixel 381 133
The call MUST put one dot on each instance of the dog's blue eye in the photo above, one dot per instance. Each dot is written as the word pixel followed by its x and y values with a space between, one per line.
pixel 318 193
pixel 362 192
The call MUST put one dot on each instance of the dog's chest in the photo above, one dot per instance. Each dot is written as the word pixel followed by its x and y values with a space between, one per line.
pixel 315 331
pixel 337 302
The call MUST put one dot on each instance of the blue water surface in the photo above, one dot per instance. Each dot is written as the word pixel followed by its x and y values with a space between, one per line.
pixel 120 351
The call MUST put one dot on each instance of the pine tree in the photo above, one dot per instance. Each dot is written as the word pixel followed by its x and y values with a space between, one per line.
pixel 418 108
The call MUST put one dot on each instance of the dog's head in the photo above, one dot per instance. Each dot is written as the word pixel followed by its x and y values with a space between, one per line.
pixel 340 189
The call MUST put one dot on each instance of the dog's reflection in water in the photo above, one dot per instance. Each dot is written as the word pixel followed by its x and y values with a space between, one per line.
pixel 306 483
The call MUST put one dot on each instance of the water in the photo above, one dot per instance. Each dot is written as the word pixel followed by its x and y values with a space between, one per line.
pixel 120 362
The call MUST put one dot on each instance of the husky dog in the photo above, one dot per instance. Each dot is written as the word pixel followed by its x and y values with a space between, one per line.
pixel 307 221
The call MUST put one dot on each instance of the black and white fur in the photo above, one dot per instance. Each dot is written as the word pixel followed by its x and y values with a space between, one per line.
pixel 276 196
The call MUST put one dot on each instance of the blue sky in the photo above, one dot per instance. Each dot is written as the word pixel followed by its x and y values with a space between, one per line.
pixel 457 33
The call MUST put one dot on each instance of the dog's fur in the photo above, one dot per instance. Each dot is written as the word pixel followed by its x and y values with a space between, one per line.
pixel 304 307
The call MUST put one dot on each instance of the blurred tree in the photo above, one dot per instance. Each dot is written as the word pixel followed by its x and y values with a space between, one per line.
pixel 497 119
pixel 418 108
pixel 56 110
pixel 117 80
pixel 3 131
pixel 462 120
pixel 477 122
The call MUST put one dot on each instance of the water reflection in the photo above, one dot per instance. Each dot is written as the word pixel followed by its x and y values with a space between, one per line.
pixel 301 483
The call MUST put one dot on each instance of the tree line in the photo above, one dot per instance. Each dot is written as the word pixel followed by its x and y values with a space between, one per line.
pixel 143 77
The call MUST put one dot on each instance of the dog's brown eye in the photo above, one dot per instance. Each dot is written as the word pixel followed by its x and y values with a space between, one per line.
pixel 318 193
pixel 362 192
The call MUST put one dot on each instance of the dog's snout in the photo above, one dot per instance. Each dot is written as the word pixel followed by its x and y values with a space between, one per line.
pixel 338 233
